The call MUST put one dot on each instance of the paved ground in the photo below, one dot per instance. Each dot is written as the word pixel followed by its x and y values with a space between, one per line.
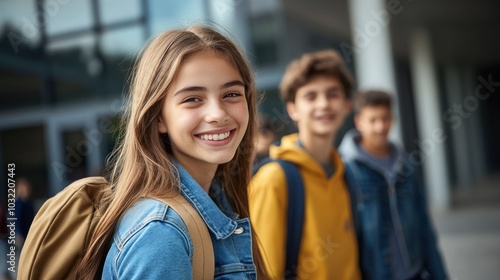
pixel 469 235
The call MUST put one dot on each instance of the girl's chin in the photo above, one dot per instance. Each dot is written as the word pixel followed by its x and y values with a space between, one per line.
pixel 221 159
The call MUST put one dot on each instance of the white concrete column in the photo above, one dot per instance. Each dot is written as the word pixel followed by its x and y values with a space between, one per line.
pixel 429 121
pixel 233 16
pixel 372 50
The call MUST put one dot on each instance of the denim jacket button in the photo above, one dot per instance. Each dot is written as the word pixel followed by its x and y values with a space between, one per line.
pixel 238 230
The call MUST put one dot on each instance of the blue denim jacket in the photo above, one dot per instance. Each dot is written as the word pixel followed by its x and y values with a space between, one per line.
pixel 152 242
pixel 381 201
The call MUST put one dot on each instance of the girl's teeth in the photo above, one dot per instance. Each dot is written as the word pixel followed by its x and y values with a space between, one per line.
pixel 215 137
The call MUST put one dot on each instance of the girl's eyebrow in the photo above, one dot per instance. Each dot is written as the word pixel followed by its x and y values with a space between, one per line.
pixel 233 83
pixel 198 88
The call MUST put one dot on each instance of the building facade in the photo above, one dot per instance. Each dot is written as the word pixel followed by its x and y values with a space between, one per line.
pixel 65 65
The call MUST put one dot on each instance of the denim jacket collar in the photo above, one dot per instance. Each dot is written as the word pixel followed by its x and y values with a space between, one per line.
pixel 217 222
pixel 349 150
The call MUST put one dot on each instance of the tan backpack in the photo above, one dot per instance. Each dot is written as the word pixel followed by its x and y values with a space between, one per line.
pixel 62 228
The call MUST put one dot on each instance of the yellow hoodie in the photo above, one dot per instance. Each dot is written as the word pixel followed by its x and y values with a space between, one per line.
pixel 328 249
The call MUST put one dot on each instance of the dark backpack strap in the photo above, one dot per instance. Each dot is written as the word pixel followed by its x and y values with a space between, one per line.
pixel 295 216
pixel 259 163
pixel 351 174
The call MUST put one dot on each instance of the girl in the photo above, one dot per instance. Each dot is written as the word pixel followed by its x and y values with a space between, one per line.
pixel 190 125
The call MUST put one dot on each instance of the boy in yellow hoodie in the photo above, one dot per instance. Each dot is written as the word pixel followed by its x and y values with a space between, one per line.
pixel 315 89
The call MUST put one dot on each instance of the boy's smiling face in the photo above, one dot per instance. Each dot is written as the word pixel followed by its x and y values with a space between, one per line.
pixel 320 106
pixel 374 123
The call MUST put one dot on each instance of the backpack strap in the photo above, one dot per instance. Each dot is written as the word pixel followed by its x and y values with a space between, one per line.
pixel 258 164
pixel 295 212
pixel 203 257
pixel 295 216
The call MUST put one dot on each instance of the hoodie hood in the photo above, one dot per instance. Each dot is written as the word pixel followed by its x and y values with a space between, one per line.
pixel 289 150
pixel 350 150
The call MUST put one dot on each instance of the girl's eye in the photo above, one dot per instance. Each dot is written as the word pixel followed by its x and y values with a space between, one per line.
pixel 191 99
pixel 233 94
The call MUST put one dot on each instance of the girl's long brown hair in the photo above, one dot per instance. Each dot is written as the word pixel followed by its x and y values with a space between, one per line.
pixel 142 163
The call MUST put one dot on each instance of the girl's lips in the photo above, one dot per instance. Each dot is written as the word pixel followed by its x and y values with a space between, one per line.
pixel 214 138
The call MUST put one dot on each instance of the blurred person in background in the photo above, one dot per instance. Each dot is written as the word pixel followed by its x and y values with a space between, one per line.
pixel 316 90
pixel 4 246
pixel 395 234
pixel 25 212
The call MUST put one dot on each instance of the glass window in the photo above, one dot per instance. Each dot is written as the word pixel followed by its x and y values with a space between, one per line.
pixel 73 145
pixel 75 68
pixel 123 42
pixel 119 48
pixel 18 147
pixel 264 40
pixel 111 129
pixel 259 7
pixel 19 20
pixel 68 15
pixel 21 68
pixel 119 10
pixel 175 14
pixel 19 89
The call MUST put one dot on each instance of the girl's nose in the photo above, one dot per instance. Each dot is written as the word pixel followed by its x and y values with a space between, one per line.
pixel 216 113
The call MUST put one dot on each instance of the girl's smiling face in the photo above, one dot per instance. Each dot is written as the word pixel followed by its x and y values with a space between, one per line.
pixel 205 112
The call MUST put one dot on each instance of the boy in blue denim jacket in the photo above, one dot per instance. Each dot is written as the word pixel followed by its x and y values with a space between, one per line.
pixel 395 235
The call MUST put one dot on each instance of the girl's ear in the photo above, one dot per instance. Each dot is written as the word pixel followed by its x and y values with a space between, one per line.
pixel 162 128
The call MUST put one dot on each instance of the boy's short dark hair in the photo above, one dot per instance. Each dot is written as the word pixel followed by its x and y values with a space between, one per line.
pixel 371 98
pixel 300 71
